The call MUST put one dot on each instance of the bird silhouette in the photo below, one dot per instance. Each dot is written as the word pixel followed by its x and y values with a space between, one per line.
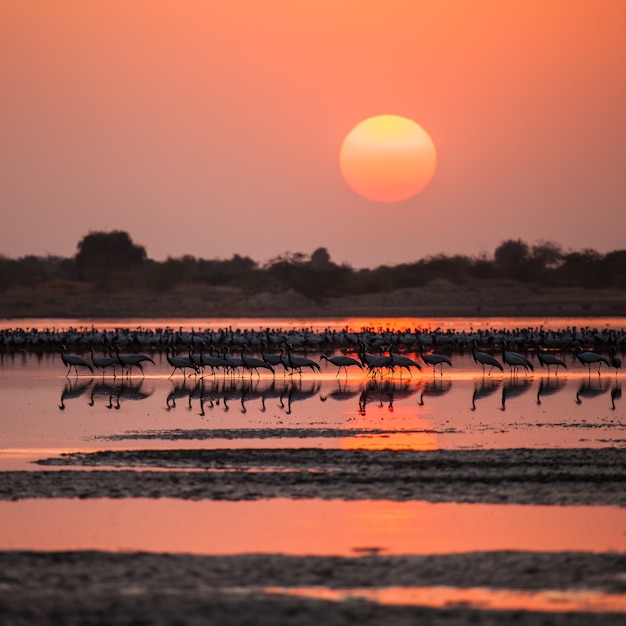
pixel 275 360
pixel 342 361
pixel 103 362
pixel 515 360
pixel 616 362
pixel 132 360
pixel 402 361
pixel 73 361
pixel 546 359
pixel 252 363
pixel 298 362
pixel 434 359
pixel 180 363
pixel 590 358
pixel 485 359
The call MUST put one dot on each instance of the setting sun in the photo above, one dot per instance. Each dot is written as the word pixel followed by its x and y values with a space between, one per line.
pixel 388 158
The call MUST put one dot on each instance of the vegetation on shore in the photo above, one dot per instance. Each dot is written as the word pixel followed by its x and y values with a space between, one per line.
pixel 519 279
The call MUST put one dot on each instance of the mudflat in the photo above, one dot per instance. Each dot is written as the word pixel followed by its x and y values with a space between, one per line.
pixel 105 588
pixel 520 476
pixel 130 588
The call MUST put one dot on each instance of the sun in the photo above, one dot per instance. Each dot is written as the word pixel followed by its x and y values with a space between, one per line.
pixel 388 158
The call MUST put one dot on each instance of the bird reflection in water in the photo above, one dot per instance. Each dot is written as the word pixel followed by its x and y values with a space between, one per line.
pixel 616 394
pixel 435 387
pixel 74 388
pixel 591 388
pixel 344 391
pixel 384 392
pixel 484 388
pixel 180 390
pixel 548 386
pixel 513 388
pixel 102 390
pixel 213 393
pixel 120 390
pixel 296 390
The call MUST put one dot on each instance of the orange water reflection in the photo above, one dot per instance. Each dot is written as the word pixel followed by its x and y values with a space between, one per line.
pixel 306 527
pixel 475 597
pixel 404 418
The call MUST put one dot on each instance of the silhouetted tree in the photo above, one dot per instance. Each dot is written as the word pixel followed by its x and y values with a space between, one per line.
pixel 547 254
pixel 103 255
pixel 614 269
pixel 511 258
pixel 320 258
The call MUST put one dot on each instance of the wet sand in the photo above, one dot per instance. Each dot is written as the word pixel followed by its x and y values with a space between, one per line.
pixel 131 588
pixel 520 476
pixel 103 588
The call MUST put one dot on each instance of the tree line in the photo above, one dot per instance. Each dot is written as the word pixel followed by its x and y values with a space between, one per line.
pixel 112 260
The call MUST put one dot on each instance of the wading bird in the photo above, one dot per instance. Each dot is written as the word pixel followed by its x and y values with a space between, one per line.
pixel 275 360
pixel 402 361
pixel 298 362
pixel 132 360
pixel 73 361
pixel 340 360
pixel 102 362
pixel 590 358
pixel 252 363
pixel 515 360
pixel 485 359
pixel 380 362
pixel 433 359
pixel 180 363
pixel 547 359
pixel 616 362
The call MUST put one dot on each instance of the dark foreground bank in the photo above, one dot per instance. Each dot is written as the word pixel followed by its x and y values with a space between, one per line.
pixel 585 476
pixel 84 588
pixel 118 589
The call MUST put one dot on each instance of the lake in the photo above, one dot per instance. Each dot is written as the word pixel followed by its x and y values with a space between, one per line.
pixel 47 414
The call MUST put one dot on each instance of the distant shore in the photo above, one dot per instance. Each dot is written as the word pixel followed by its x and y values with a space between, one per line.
pixel 439 298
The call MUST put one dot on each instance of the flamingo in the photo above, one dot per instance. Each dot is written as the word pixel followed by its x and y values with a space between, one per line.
pixel 485 359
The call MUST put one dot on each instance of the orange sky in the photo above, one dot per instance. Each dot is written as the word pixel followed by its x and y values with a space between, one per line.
pixel 213 128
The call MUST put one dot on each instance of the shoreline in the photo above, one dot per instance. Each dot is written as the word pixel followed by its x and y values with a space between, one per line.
pixel 437 299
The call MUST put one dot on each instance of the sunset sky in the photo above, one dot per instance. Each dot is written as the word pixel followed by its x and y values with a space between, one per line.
pixel 214 128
